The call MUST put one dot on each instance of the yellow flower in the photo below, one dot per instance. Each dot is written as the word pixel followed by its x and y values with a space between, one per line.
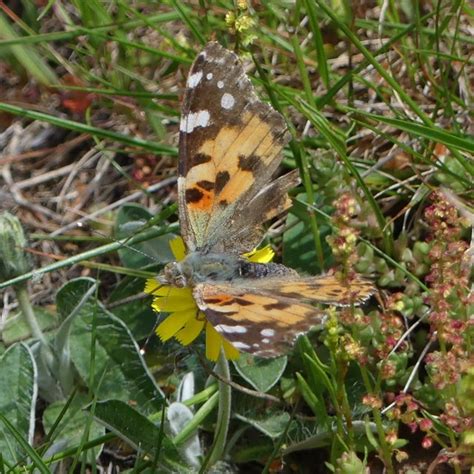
pixel 186 321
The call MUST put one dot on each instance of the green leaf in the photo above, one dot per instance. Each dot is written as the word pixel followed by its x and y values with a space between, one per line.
pixel 119 370
pixel 18 393
pixel 314 402
pixel 131 219
pixel 272 426
pixel 136 313
pixel 253 450
pixel 262 374
pixel 70 295
pixel 16 328
pixel 70 432
pixel 139 432
pixel 299 251
pixel 179 416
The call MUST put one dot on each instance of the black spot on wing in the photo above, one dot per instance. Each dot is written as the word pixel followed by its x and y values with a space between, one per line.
pixel 200 158
pixel 193 195
pixel 243 302
pixel 207 185
pixel 249 163
pixel 222 178
pixel 292 294
pixel 220 301
pixel 197 159
pixel 198 62
pixel 278 305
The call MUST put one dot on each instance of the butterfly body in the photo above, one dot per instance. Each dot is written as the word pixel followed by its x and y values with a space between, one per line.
pixel 230 148
pixel 200 267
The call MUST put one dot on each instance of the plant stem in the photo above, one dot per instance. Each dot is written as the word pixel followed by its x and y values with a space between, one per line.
pixel 385 452
pixel 30 318
pixel 28 313
pixel 224 410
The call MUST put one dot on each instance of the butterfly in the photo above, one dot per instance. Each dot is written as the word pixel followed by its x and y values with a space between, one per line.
pixel 230 147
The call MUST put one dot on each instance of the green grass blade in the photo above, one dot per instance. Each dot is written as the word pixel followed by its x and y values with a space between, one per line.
pixel 90 254
pixel 318 42
pixel 34 64
pixel 372 60
pixel 84 128
pixel 432 132
pixel 186 17
pixel 325 128
pixel 81 31
pixel 36 459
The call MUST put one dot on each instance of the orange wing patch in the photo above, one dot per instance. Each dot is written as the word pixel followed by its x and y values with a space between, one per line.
pixel 236 156
pixel 230 169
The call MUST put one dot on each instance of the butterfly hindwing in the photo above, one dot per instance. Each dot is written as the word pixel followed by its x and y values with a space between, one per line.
pixel 259 323
pixel 230 146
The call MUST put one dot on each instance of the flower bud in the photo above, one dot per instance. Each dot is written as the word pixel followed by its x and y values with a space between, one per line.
pixel 14 261
pixel 349 463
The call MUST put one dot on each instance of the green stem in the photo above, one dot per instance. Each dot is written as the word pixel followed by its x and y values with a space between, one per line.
pixel 30 318
pixel 28 313
pixel 345 409
pixel 118 244
pixel 338 406
pixel 385 451
pixel 191 428
pixel 224 410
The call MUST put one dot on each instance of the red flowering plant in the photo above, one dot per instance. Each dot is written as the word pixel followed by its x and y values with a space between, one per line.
pixel 382 342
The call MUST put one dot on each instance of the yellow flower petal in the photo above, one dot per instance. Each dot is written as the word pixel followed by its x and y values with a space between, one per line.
pixel 173 323
pixel 263 255
pixel 169 304
pixel 230 352
pixel 213 342
pixel 178 248
pixel 151 285
pixel 166 290
pixel 191 330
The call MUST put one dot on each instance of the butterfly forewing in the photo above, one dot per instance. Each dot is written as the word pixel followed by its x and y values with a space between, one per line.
pixel 326 289
pixel 230 146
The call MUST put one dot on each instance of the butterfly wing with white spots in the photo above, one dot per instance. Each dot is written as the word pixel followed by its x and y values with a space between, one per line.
pixel 230 146
pixel 264 316
pixel 256 322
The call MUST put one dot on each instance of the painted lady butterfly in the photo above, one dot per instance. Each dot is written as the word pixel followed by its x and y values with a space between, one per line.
pixel 230 147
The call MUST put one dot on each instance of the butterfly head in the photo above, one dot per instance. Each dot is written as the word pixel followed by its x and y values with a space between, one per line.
pixel 174 274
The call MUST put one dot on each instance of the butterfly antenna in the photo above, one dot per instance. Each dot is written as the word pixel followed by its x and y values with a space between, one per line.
pixel 122 242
